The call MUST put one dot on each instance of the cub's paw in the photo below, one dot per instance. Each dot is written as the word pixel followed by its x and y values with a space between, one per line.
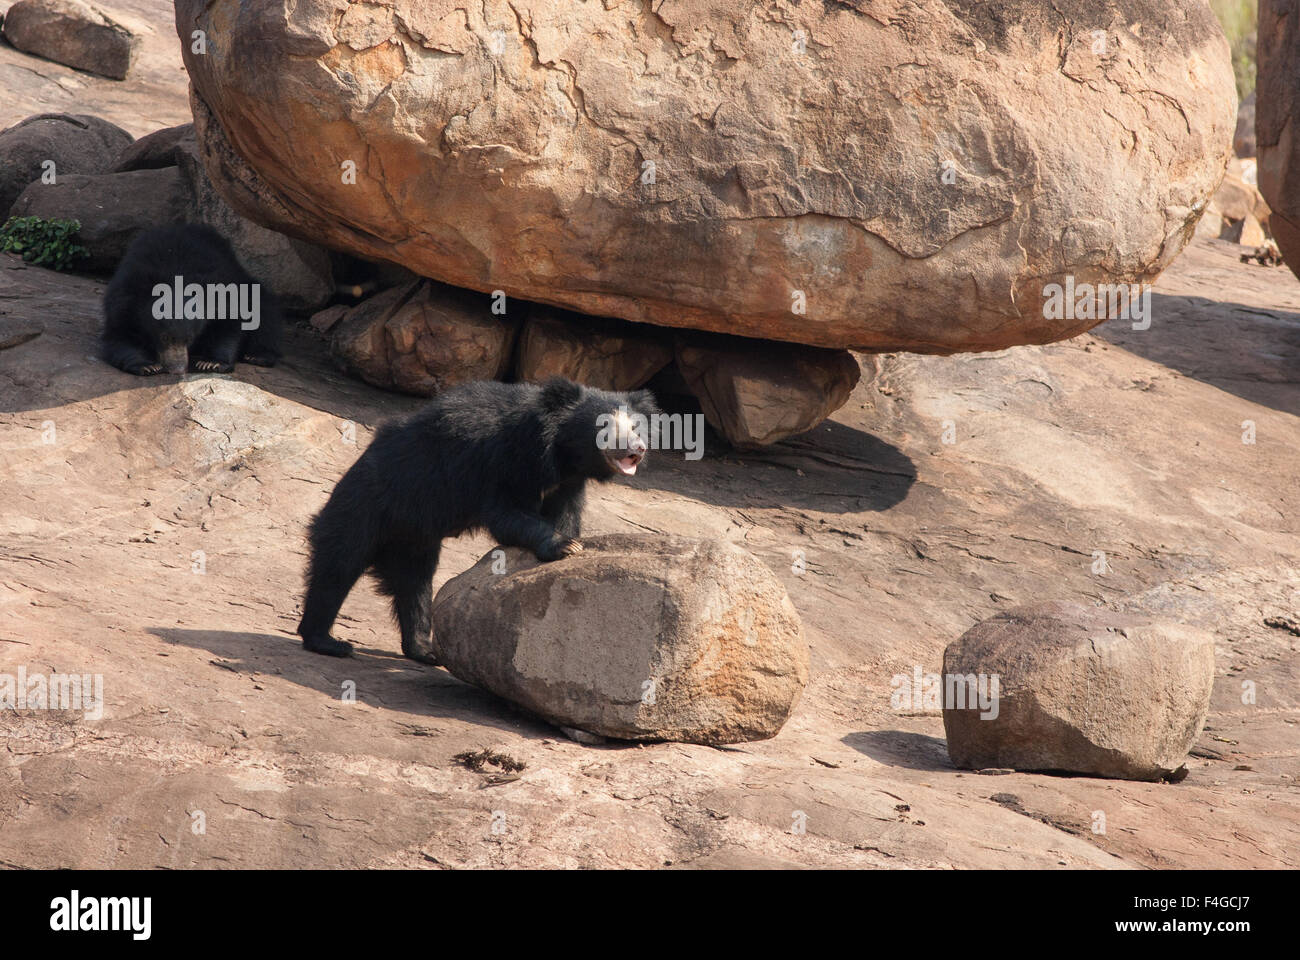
pixel 558 549
pixel 213 366
pixel 328 646
pixel 145 369
pixel 261 359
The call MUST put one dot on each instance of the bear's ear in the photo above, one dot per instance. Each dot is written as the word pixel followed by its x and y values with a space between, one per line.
pixel 643 402
pixel 559 393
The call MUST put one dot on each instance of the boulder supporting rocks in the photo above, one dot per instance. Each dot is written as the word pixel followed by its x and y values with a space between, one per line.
pixel 162 148
pixel 111 207
pixel 755 393
pixel 57 143
pixel 77 34
pixel 1277 122
pixel 422 338
pixel 876 176
pixel 636 638
pixel 611 355
pixel 1078 690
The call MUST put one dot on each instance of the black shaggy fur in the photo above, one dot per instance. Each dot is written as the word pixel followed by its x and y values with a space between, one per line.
pixel 512 458
pixel 136 341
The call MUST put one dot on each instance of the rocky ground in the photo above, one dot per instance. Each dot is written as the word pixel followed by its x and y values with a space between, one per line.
pixel 1127 442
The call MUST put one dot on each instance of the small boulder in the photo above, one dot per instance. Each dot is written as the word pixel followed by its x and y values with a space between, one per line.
pixel 1248 232
pixel 162 148
pixel 423 337
pixel 111 207
pixel 1238 195
pixel 609 354
pixel 77 34
pixel 74 143
pixel 1080 690
pixel 756 392
pixel 636 638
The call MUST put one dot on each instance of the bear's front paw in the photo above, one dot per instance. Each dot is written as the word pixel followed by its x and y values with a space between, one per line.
pixel 559 548
pixel 213 366
pixel 145 369
pixel 261 359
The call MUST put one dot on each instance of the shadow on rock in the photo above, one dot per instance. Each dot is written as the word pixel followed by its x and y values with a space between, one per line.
pixel 832 468
pixel 1250 351
pixel 897 748
pixel 382 678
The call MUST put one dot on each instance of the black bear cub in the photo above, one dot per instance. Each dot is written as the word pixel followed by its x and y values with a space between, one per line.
pixel 512 458
pixel 179 300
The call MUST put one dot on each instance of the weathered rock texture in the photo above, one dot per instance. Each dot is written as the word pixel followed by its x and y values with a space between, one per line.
pixel 81 35
pixel 1081 690
pixel 640 638
pixel 111 207
pixel 757 393
pixel 74 143
pixel 422 338
pixel 600 354
pixel 1277 122
pixel 910 172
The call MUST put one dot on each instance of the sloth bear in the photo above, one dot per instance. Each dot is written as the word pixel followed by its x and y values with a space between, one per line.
pixel 180 299
pixel 511 458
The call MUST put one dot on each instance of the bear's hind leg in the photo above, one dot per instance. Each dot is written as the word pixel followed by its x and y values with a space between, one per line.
pixel 408 578
pixel 330 579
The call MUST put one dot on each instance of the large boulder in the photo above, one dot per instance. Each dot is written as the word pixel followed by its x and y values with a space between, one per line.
pixel 886 175
pixel 77 34
pixel 638 638
pixel 1078 690
pixel 112 208
pixel 422 337
pixel 755 393
pixel 74 143
pixel 1277 122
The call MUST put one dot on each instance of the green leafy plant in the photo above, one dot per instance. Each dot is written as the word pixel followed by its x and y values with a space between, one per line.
pixel 1239 19
pixel 45 243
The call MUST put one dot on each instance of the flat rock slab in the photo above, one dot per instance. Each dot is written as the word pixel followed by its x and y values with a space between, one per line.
pixel 637 638
pixel 1078 690
pixel 111 208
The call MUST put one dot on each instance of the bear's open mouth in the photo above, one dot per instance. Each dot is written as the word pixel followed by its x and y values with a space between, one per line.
pixel 627 465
